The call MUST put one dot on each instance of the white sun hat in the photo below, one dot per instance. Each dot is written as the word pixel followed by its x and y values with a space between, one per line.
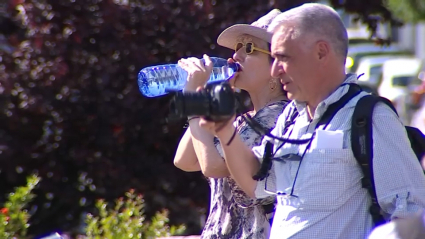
pixel 257 29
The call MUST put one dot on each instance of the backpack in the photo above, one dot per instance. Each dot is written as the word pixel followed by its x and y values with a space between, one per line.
pixel 362 146
pixel 362 141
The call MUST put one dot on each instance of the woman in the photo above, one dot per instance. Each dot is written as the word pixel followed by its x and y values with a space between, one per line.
pixel 233 214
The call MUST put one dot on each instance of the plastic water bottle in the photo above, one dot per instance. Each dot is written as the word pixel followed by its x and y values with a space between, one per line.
pixel 158 80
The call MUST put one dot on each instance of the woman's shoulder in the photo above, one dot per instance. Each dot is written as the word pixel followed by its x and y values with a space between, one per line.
pixel 272 110
pixel 266 116
pixel 275 108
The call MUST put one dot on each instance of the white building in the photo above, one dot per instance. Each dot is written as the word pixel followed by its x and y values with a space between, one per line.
pixel 412 37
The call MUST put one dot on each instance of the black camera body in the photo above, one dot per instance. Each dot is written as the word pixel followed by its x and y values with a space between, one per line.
pixel 216 102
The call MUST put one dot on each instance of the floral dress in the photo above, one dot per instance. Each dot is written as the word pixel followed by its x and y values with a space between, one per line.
pixel 234 215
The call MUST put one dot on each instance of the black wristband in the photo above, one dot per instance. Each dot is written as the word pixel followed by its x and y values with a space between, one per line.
pixel 192 117
pixel 186 125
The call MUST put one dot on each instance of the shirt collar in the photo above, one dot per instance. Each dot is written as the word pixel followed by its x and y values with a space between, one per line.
pixel 332 98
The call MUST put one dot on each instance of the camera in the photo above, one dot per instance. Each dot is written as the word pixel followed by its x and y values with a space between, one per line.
pixel 216 102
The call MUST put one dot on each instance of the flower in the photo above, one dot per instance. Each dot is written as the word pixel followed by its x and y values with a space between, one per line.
pixel 4 210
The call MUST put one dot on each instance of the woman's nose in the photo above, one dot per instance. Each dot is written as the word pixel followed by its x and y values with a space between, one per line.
pixel 239 55
pixel 276 70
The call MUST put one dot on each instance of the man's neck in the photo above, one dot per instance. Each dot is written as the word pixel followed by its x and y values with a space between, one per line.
pixel 326 89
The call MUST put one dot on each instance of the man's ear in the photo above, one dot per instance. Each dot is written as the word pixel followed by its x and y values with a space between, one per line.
pixel 322 50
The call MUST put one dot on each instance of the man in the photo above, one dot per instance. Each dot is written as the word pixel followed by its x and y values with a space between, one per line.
pixel 318 184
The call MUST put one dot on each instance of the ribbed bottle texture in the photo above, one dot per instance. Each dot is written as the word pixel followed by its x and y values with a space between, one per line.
pixel 156 80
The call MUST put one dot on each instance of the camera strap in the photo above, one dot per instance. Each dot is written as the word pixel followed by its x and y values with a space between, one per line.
pixel 266 165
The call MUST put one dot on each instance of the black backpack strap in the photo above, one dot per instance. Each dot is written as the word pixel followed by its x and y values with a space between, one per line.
pixel 362 146
pixel 352 92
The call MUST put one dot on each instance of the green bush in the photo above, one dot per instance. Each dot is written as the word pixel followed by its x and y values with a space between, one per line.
pixel 14 215
pixel 127 220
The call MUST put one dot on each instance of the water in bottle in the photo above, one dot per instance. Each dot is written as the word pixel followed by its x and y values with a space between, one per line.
pixel 159 80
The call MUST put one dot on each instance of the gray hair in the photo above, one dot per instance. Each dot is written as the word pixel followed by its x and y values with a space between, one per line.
pixel 319 20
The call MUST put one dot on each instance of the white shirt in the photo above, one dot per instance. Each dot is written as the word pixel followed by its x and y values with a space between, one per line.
pixel 332 202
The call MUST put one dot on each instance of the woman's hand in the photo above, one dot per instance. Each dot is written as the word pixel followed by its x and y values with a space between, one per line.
pixel 198 73
pixel 223 130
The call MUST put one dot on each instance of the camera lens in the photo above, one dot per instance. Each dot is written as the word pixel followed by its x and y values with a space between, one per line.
pixel 190 103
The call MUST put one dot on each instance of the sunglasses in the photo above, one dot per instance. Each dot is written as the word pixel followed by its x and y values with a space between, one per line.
pixel 249 48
